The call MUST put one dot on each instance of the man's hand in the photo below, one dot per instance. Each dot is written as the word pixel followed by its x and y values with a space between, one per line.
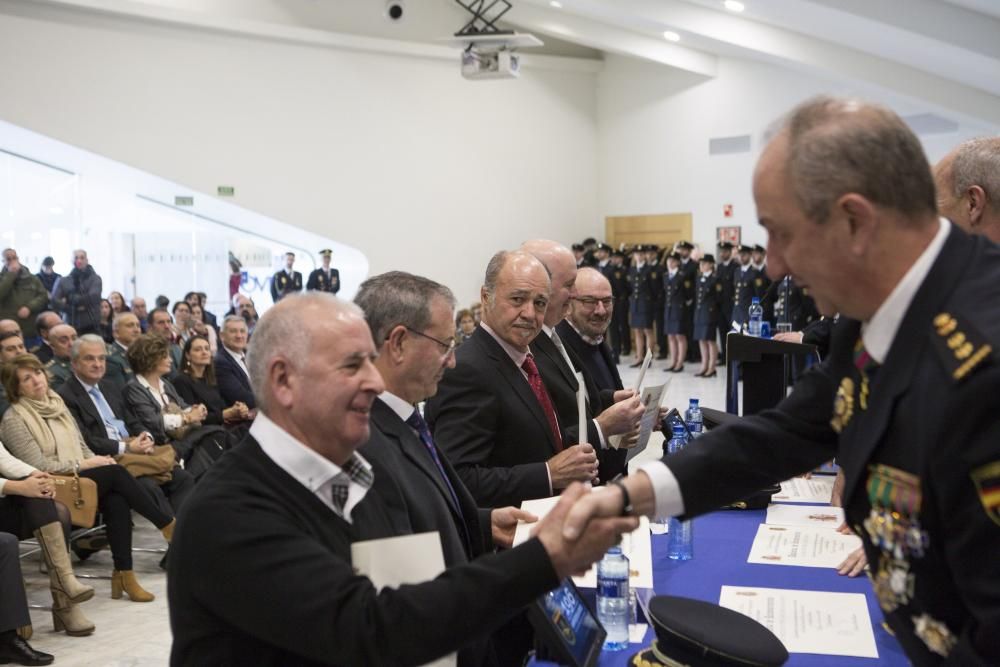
pixel 140 444
pixel 621 417
pixel 23 312
pixel 576 556
pixel 573 464
pixel 630 439
pixel 503 523
pixel 623 394
pixel 789 336
pixel 854 564
pixel 608 502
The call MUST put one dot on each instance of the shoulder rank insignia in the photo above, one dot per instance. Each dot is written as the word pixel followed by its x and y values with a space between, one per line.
pixel 758 282
pixel 718 287
pixel 50 363
pixel 987 480
pixel 653 275
pixel 687 284
pixel 961 346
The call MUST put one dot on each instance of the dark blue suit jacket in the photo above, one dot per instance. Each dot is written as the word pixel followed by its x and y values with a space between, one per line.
pixel 234 385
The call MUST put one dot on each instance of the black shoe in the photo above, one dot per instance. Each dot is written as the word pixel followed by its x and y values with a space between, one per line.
pixel 19 652
pixel 661 357
pixel 709 375
pixel 637 364
pixel 163 562
pixel 677 369
pixel 700 375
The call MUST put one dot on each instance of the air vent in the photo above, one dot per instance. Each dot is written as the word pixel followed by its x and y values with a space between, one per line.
pixel 729 145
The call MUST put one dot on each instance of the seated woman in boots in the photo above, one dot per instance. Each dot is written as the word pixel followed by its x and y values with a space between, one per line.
pixel 27 508
pixel 39 429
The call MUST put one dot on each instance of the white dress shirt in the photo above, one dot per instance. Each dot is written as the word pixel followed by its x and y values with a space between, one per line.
pixel 877 334
pixel 112 432
pixel 170 421
pixel 11 468
pixel 306 466
pixel 238 357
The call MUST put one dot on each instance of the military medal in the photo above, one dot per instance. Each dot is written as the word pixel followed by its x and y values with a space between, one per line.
pixel 935 634
pixel 843 405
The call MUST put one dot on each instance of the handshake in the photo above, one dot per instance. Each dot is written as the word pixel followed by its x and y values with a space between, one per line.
pixel 584 525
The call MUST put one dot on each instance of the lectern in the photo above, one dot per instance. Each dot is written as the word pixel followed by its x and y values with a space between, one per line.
pixel 762 362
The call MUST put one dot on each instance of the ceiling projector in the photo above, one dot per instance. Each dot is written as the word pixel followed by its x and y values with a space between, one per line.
pixel 489 52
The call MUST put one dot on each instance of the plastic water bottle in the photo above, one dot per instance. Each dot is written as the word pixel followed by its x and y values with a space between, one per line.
pixel 613 599
pixel 756 314
pixel 680 534
pixel 694 419
pixel 678 438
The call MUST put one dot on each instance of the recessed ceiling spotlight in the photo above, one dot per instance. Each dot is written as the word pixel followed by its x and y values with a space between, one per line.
pixel 734 5
pixel 555 4
pixel 671 36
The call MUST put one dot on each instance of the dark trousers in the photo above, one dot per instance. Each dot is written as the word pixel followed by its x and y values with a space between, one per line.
pixel 118 494
pixel 169 496
pixel 14 610
pixel 621 335
pixel 659 335
pixel 725 325
pixel 22 516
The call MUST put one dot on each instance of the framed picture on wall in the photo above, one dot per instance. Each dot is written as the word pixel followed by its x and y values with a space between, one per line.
pixel 731 234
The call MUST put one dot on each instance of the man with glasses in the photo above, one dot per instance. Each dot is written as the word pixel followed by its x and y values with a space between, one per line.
pixel 583 331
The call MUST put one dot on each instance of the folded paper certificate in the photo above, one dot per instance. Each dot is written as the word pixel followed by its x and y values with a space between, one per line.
pixel 805 515
pixel 806 547
pixel 394 561
pixel 652 398
pixel 635 545
pixel 808 621
pixel 816 489
pixel 615 440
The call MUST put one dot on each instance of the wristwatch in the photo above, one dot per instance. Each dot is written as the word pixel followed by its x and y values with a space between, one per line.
pixel 627 509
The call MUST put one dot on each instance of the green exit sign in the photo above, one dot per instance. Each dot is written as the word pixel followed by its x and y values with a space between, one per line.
pixel 183 201
pixel 226 191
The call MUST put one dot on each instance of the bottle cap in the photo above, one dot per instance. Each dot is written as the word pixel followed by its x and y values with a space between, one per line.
pixel 678 430
pixel 755 299
pixel 693 402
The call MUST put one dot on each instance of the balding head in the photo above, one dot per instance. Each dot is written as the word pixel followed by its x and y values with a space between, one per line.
pixel 515 296
pixel 61 339
pixel 561 265
pixel 44 321
pixel 968 186
pixel 311 367
pixel 591 309
pixel 9 326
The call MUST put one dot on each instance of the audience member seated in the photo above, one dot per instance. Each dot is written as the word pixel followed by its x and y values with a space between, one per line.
pixel 111 430
pixel 107 315
pixel 125 328
pixel 162 411
pixel 465 325
pixel 14 610
pixel 118 304
pixel 203 328
pixel 230 363
pixel 161 324
pixel 10 326
pixel 61 339
pixel 139 310
pixel 196 383
pixel 200 299
pixel 243 306
pixel 11 346
pixel 78 295
pixel 43 324
pixel 39 429
pixel 27 508
pixel 182 322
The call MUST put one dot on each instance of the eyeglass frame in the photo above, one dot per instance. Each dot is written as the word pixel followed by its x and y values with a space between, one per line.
pixel 591 302
pixel 449 348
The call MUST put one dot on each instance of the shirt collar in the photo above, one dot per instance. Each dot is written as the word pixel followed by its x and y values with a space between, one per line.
pixel 235 355
pixel 306 466
pixel 87 387
pixel 515 354
pixel 879 332
pixel 145 383
pixel 586 339
pixel 401 407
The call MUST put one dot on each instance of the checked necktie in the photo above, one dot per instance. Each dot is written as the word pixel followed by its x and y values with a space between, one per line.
pixel 542 394
pixel 352 471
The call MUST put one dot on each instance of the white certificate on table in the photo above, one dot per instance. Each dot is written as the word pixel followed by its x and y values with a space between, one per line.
pixel 805 515
pixel 808 621
pixel 637 545
pixel 816 489
pixel 805 547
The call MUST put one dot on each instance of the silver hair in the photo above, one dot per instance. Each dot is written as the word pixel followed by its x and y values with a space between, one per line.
pixel 396 298
pixel 977 162
pixel 119 317
pixel 283 331
pixel 233 318
pixel 92 339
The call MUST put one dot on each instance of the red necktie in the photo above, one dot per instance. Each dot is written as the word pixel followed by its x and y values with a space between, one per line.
pixel 538 389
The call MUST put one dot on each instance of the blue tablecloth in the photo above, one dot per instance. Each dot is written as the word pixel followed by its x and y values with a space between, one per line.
pixel 721 545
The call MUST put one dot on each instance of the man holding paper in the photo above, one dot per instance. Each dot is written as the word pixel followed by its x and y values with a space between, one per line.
pixel 277 516
pixel 902 401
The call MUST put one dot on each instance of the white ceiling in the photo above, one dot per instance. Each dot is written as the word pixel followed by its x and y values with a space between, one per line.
pixel 942 54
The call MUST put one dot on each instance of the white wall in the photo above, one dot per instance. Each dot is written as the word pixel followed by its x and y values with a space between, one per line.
pixel 655 123
pixel 397 156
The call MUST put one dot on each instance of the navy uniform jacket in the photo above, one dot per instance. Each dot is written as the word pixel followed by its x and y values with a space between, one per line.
pixel 676 293
pixel 708 293
pixel 282 285
pixel 640 297
pixel 920 437
pixel 746 285
pixel 618 277
pixel 726 273
pixel 793 305
pixel 319 281
pixel 656 282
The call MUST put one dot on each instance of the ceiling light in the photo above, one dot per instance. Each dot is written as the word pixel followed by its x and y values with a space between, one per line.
pixel 734 5
pixel 556 4
pixel 671 36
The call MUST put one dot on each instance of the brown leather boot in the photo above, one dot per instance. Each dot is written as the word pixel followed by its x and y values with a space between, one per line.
pixel 61 578
pixel 124 580
pixel 67 616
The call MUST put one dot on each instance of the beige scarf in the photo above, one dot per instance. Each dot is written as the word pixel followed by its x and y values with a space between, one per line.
pixel 52 426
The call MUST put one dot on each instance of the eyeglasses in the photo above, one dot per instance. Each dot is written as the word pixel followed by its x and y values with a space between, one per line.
pixel 591 302
pixel 448 347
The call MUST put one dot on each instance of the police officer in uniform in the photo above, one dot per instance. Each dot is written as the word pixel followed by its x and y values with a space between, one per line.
pixel 617 274
pixel 656 271
pixel 708 296
pixel 725 269
pixel 905 398
pixel 759 262
pixel 640 304
pixel 287 281
pixel 793 306
pixel 689 268
pixel 747 284
pixel 325 278
pixel 676 293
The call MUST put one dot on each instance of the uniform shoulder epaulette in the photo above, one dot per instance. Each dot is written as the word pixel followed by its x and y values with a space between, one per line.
pixel 961 346
pixel 687 283
pixel 50 363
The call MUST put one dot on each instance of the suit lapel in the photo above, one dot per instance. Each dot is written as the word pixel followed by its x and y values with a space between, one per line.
pixel 544 345
pixel 864 432
pixel 84 401
pixel 518 384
